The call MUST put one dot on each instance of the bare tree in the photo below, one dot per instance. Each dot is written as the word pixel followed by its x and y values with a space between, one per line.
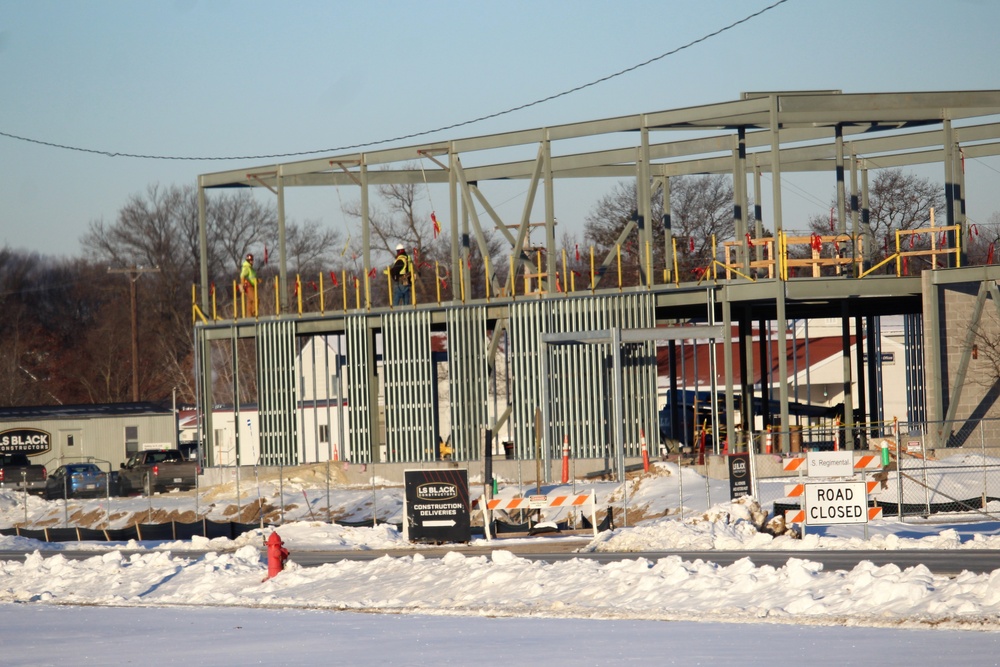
pixel 982 241
pixel 897 201
pixel 311 247
pixel 399 217
pixel 701 208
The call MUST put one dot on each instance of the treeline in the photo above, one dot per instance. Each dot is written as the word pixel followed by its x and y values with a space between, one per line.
pixel 68 322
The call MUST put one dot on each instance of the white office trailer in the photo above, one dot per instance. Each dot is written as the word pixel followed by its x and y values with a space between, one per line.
pixel 106 434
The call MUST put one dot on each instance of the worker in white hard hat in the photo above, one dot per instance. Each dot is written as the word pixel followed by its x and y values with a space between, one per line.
pixel 400 272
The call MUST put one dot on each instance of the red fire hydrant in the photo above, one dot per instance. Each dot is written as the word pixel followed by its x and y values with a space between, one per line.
pixel 276 555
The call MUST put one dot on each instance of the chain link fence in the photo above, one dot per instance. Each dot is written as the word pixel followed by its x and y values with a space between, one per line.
pixel 937 471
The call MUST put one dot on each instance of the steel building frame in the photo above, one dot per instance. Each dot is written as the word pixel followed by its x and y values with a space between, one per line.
pixel 762 132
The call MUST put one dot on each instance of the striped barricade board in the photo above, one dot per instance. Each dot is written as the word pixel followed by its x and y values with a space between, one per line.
pixel 537 502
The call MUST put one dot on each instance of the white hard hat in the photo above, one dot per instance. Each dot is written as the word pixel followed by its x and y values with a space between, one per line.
pixel 399 246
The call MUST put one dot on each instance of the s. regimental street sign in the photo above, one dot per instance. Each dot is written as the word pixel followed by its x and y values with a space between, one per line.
pixel 437 506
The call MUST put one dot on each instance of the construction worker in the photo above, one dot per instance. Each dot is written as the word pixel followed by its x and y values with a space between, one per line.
pixel 248 285
pixel 401 273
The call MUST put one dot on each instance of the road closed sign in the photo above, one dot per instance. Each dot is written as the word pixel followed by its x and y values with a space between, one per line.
pixel 829 503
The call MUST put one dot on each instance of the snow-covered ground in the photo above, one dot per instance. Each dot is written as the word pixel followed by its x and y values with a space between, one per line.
pixel 450 610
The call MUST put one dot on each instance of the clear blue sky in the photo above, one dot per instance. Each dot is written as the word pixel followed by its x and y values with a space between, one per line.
pixel 227 78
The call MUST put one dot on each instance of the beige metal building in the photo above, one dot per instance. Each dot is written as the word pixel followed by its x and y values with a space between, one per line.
pixel 107 434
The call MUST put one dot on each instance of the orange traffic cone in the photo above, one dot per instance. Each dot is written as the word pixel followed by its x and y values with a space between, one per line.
pixel 645 450
pixel 565 467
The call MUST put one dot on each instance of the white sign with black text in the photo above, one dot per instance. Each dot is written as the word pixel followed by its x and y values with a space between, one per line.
pixel 830 464
pixel 829 503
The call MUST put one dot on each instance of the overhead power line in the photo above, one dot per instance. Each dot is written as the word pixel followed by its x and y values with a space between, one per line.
pixel 337 149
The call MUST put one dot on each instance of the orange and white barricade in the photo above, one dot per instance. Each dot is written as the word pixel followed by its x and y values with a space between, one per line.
pixel 538 502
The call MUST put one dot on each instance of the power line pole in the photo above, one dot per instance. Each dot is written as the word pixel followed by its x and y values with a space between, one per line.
pixel 133 274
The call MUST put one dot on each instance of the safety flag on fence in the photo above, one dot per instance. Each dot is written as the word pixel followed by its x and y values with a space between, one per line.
pixel 333 278
pixel 749 240
pixel 437 225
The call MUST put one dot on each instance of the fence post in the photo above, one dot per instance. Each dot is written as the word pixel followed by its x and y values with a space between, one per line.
pixel 982 442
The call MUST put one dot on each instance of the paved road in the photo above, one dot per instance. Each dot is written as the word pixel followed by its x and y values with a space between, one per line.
pixel 946 562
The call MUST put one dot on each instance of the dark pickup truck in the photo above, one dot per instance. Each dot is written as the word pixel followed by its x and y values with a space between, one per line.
pixel 157 470
pixel 18 472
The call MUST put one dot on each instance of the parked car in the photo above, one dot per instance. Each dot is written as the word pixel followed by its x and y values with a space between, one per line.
pixel 79 480
pixel 17 472
pixel 156 470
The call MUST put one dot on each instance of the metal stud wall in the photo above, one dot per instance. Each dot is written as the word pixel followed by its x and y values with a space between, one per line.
pixel 277 393
pixel 639 375
pixel 410 384
pixel 580 383
pixel 580 375
pixel 468 381
pixel 528 319
pixel 913 337
pixel 360 363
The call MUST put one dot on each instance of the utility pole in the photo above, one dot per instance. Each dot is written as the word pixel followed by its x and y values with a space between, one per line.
pixel 133 274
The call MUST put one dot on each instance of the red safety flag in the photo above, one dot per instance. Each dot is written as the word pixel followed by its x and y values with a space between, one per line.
pixel 973 230
pixel 437 225
pixel 817 242
pixel 691 244
pixel 295 288
pixel 213 289
pixel 749 240
pixel 333 278
pixel 371 273
pixel 989 254
pixel 312 283
pixel 577 252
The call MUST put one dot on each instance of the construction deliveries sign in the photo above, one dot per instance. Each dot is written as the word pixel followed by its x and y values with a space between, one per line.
pixel 437 506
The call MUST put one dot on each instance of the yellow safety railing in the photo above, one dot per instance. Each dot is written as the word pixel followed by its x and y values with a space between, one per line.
pixel 822 251
pixel 781 255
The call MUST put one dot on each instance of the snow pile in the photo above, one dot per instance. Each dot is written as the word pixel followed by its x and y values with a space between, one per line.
pixel 506 585
pixel 736 525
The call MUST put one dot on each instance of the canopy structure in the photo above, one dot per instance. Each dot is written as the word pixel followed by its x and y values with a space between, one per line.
pixel 762 132
pixel 772 133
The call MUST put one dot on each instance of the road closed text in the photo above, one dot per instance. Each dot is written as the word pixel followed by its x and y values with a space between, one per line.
pixel 836 502
pixel 822 513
